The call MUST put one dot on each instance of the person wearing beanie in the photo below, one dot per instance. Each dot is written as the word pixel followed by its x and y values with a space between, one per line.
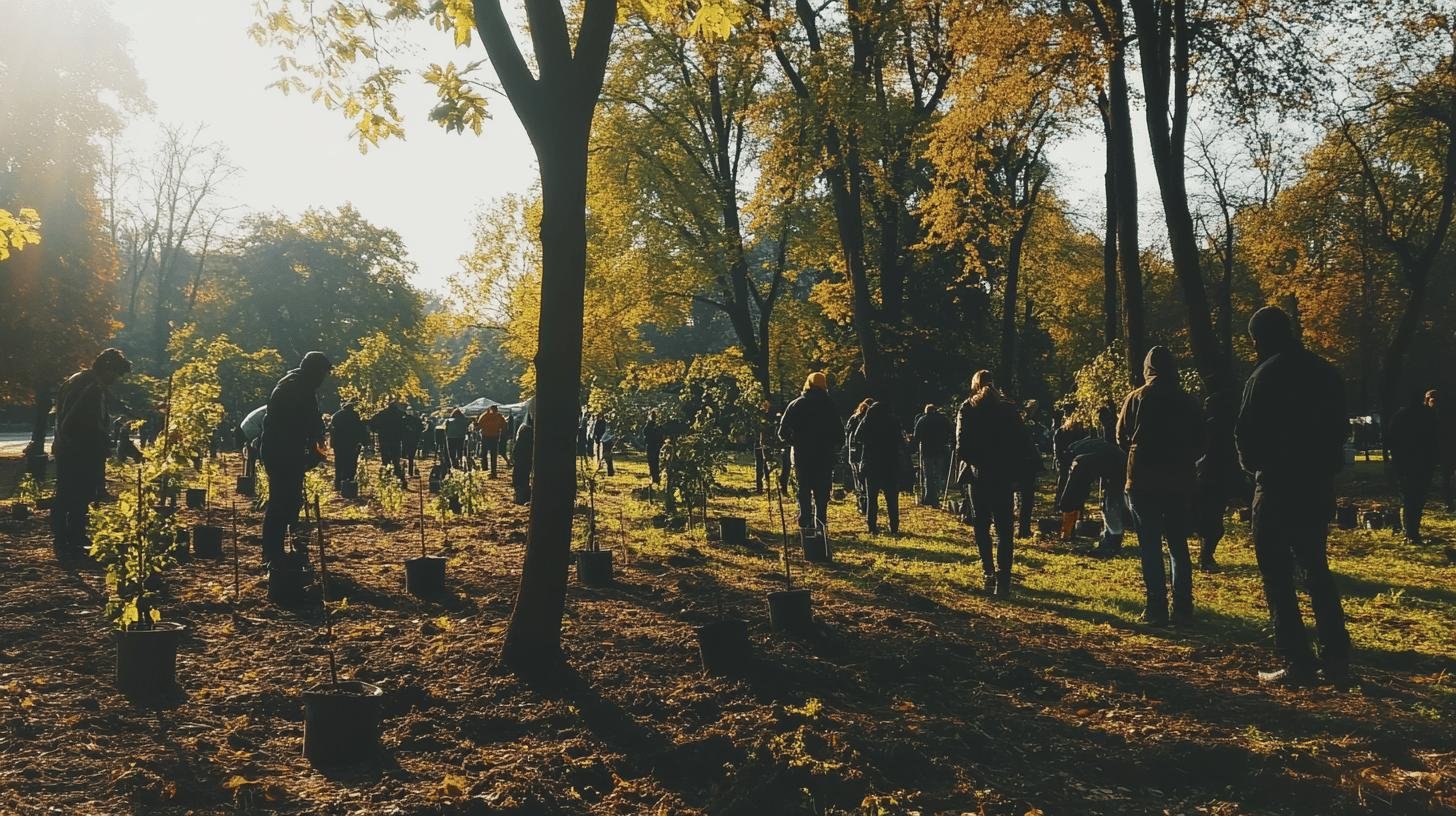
pixel 83 437
pixel 1290 434
pixel 810 428
pixel 990 454
pixel 1161 428
pixel 293 431
pixel 347 435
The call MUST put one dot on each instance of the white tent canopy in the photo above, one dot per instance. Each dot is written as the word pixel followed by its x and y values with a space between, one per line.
pixel 515 409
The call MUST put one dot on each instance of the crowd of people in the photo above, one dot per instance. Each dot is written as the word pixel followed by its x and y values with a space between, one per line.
pixel 1166 468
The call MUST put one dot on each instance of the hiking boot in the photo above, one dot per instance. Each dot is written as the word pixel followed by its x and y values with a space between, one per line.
pixel 1152 617
pixel 1289 677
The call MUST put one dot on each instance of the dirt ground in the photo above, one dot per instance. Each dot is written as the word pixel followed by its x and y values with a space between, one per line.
pixel 903 700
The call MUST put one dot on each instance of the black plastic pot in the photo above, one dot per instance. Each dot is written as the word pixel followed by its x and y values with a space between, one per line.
pixel 594 567
pixel 146 659
pixel 349 490
pixel 816 546
pixel 1393 520
pixel 1049 526
pixel 196 498
pixel 207 540
pixel 247 485
pixel 455 505
pixel 1246 515
pixel 20 512
pixel 287 581
pixel 1375 519
pixel 791 610
pixel 181 547
pixel 1347 516
pixel 424 577
pixel 733 531
pixel 435 482
pixel 724 647
pixel 1090 528
pixel 341 722
pixel 839 494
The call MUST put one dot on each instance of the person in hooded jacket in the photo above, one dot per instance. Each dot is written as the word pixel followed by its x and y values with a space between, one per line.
pixel 1096 461
pixel 409 443
pixel 389 424
pixel 347 435
pixel 854 453
pixel 1069 433
pixel 932 436
pixel 1219 477
pixel 810 428
pixel 1290 435
pixel 293 433
pixel 991 442
pixel 1413 440
pixel 83 436
pixel 522 461
pixel 1161 429
pixel 881 443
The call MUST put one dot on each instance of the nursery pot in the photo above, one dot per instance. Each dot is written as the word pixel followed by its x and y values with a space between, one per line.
pixel 196 498
pixel 341 722
pixel 1347 516
pixel 816 546
pixel 733 530
pixel 247 485
pixel 1090 528
pixel 181 549
pixel 723 646
pixel 790 610
pixel 1049 526
pixel 839 494
pixel 287 580
pixel 1246 515
pixel 594 567
pixel 1375 519
pixel 349 490
pixel 207 540
pixel 424 577
pixel 146 659
pixel 435 482
pixel 1392 519
pixel 20 512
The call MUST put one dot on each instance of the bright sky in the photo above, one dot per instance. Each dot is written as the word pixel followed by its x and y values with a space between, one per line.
pixel 200 67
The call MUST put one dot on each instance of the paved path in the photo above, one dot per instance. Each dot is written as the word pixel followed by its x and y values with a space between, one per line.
pixel 13 444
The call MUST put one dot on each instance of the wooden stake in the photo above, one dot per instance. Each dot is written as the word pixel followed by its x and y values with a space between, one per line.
pixel 324 589
pixel 234 503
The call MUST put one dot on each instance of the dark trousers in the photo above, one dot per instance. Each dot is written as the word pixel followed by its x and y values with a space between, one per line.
pixel 521 478
pixel 1025 494
pixel 1209 509
pixel 346 464
pixel 389 455
pixel 1415 488
pixel 933 470
pixel 991 507
pixel 455 451
pixel 408 453
pixel 285 500
pixel 490 451
pixel 875 484
pixel 654 464
pixel 760 467
pixel 604 456
pixel 1291 530
pixel 813 494
pixel 79 480
pixel 250 459
pixel 1161 517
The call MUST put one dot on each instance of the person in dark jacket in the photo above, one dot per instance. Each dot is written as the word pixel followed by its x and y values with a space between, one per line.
pixel 854 454
pixel 83 437
pixel 1413 440
pixel 583 436
pixel 1161 429
pixel 1030 472
pixel 652 439
pixel 457 429
pixel 1219 477
pixel 347 435
pixel 990 453
pixel 522 460
pixel 293 432
pixel 604 439
pixel 881 443
pixel 1071 431
pixel 409 443
pixel 1290 434
pixel 388 425
pixel 1097 461
pixel 810 428
pixel 931 437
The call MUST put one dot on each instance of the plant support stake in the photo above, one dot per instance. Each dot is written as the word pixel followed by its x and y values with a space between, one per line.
pixel 318 519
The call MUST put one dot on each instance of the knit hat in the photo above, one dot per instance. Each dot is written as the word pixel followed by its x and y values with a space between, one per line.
pixel 817 379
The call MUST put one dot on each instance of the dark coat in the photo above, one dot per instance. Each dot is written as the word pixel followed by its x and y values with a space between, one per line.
pixel 389 424
pixel 524 456
pixel 652 436
pixel 991 440
pixel 83 422
pixel 881 443
pixel 933 432
pixel 851 426
pixel 1161 429
pixel 1414 440
pixel 1062 442
pixel 294 422
pixel 346 429
pixel 1292 425
pixel 810 427
pixel 412 431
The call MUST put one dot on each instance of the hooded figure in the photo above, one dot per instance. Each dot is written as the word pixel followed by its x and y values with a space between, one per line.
pixel 810 427
pixel 881 443
pixel 1290 435
pixel 83 437
pixel 524 458
pixel 1413 440
pixel 293 430
pixel 347 435
pixel 1161 429
pixel 991 442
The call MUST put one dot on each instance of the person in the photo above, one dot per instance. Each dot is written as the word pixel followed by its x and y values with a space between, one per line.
pixel 456 429
pixel 1096 461
pixel 652 439
pixel 250 433
pixel 522 461
pixel 1107 417
pixel 1414 443
pixel 409 444
pixel 388 425
pixel 990 454
pixel 762 446
pixel 881 443
pixel 855 453
pixel 583 435
pixel 293 434
pixel 492 429
pixel 1218 478
pixel 1161 430
pixel 1027 478
pixel 810 428
pixel 1068 434
pixel 82 441
pixel 599 429
pixel 931 436
pixel 347 435
pixel 1290 434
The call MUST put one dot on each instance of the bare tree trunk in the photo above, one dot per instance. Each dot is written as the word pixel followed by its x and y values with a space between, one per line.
pixel 1125 180
pixel 1110 324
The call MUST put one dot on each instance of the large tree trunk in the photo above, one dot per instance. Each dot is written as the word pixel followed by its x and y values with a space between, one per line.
pixel 1392 368
pixel 1110 324
pixel 1125 180
pixel 40 420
